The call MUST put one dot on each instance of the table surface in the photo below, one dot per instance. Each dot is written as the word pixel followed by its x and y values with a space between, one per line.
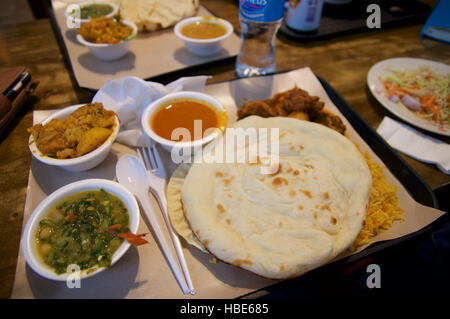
pixel 343 62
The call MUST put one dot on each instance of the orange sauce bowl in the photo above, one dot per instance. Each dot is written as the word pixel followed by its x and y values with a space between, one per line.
pixel 184 120
pixel 203 41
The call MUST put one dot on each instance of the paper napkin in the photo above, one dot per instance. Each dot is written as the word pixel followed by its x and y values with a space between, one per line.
pixel 130 96
pixel 415 144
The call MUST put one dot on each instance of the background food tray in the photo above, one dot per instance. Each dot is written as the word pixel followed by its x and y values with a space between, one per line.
pixel 151 53
pixel 351 18
pixel 308 284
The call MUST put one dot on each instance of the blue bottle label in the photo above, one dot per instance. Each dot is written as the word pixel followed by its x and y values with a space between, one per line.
pixel 261 10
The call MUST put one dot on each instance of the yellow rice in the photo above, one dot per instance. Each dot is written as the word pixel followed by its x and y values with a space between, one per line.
pixel 383 207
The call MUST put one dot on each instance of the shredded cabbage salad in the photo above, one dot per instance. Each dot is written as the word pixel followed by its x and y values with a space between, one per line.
pixel 423 91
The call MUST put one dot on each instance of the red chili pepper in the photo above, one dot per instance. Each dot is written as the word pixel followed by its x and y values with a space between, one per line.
pixel 112 228
pixel 134 239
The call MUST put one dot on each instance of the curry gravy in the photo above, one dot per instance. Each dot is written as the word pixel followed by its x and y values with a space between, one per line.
pixel 203 30
pixel 181 113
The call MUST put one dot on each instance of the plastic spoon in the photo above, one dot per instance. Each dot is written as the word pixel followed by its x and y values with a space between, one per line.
pixel 131 173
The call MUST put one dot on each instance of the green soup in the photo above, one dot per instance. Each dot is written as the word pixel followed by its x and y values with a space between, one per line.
pixel 94 10
pixel 76 231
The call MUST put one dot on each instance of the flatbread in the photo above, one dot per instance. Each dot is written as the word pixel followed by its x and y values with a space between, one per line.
pixel 175 206
pixel 281 225
pixel 152 15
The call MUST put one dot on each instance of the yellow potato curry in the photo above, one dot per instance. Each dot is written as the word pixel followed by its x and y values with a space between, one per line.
pixel 84 130
pixel 105 30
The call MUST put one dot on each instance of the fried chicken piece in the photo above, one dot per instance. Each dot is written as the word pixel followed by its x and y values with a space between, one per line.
pixel 296 100
pixel 299 116
pixel 257 107
pixel 329 120
pixel 294 103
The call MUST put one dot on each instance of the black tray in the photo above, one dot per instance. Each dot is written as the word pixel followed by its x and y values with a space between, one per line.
pixel 351 18
pixel 415 186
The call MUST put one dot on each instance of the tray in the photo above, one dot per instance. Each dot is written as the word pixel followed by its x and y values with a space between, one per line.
pixel 151 54
pixel 131 278
pixel 351 18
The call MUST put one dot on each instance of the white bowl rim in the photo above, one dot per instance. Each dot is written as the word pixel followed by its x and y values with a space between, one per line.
pixel 182 23
pixel 27 238
pixel 86 3
pixel 152 107
pixel 81 39
pixel 63 113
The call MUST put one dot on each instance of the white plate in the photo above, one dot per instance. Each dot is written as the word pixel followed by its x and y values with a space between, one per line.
pixel 376 87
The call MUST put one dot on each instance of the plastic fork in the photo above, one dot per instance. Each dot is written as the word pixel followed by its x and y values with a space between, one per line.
pixel 156 176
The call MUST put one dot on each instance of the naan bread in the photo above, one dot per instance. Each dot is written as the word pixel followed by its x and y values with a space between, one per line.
pixel 151 15
pixel 175 206
pixel 281 225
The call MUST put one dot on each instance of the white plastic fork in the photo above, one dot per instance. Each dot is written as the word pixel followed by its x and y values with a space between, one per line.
pixel 156 176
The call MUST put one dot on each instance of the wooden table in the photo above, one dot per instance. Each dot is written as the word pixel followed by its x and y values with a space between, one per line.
pixel 343 62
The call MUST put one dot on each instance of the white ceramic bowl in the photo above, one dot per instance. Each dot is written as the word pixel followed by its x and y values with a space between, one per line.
pixel 109 51
pixel 77 164
pixel 168 144
pixel 78 22
pixel 203 47
pixel 28 237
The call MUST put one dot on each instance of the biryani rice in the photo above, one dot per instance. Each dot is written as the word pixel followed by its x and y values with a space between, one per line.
pixel 382 209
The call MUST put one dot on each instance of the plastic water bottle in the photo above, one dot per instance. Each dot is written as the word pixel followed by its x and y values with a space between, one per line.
pixel 260 21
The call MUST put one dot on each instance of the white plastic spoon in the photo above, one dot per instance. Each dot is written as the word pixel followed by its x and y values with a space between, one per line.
pixel 131 173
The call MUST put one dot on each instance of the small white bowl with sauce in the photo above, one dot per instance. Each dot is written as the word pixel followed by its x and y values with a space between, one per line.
pixel 29 242
pixel 211 107
pixel 203 36
pixel 74 11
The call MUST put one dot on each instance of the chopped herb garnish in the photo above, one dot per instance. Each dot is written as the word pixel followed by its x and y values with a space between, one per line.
pixel 76 231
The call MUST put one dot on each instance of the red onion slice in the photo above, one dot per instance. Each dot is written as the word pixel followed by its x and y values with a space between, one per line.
pixel 411 102
pixel 393 98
